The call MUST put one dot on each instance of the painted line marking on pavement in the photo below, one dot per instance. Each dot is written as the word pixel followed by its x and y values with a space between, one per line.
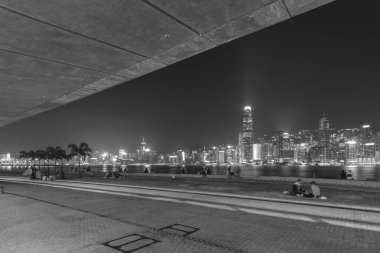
pixel 277 214
pixel 223 207
pixel 355 225
pixel 167 199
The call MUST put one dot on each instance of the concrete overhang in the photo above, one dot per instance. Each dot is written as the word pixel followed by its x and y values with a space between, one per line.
pixel 53 52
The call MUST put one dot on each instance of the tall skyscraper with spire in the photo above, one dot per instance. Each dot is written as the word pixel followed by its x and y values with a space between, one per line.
pixel 324 123
pixel 324 136
pixel 246 136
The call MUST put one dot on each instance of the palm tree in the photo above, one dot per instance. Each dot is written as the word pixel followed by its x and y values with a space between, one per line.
pixel 59 154
pixel 50 154
pixel 63 155
pixel 83 150
pixel 24 154
pixel 40 154
pixel 32 154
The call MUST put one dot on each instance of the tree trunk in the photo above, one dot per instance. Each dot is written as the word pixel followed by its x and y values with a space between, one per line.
pixel 55 167
pixel 62 173
pixel 44 168
pixel 48 171
pixel 80 174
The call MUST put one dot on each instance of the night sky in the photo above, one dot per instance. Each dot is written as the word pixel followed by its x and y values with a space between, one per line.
pixel 324 60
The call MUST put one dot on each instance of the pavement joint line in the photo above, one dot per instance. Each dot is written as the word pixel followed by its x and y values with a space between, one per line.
pixel 156 230
pixel 339 206
pixel 231 207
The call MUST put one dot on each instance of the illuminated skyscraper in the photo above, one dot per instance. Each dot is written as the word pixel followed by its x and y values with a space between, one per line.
pixel 324 123
pixel 246 136
pixel 301 152
pixel 221 157
pixel 324 136
pixel 377 152
pixel 351 152
pixel 365 137
pixel 256 152
pixel 366 133
pixel 143 143
pixel 122 154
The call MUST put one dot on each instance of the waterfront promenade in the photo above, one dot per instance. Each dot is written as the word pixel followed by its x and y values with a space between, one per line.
pixel 211 216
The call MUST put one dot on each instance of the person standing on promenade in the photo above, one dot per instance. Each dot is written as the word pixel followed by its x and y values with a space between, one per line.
pixel 204 173
pixel 229 170
pixel 343 174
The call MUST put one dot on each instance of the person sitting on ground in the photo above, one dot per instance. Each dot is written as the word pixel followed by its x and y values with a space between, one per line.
pixel 116 174
pixel 349 175
pixel 316 191
pixel 108 174
pixel 296 189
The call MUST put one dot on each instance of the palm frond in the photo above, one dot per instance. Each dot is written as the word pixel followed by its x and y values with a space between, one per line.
pixel 23 154
pixel 72 146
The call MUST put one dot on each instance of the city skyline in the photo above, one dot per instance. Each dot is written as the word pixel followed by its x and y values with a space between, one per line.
pixel 321 144
pixel 199 99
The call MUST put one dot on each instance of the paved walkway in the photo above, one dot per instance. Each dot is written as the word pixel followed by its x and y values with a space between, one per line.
pixel 346 195
pixel 80 217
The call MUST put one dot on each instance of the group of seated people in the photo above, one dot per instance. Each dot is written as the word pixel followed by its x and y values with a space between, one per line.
pixel 115 174
pixel 298 190
pixel 346 175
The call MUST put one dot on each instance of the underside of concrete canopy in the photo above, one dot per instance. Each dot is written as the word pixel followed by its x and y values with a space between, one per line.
pixel 53 52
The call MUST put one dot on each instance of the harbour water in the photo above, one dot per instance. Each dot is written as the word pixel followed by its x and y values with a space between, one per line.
pixel 332 172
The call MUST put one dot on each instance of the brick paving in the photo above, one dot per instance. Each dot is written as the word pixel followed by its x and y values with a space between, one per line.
pixel 62 220
pixel 31 226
